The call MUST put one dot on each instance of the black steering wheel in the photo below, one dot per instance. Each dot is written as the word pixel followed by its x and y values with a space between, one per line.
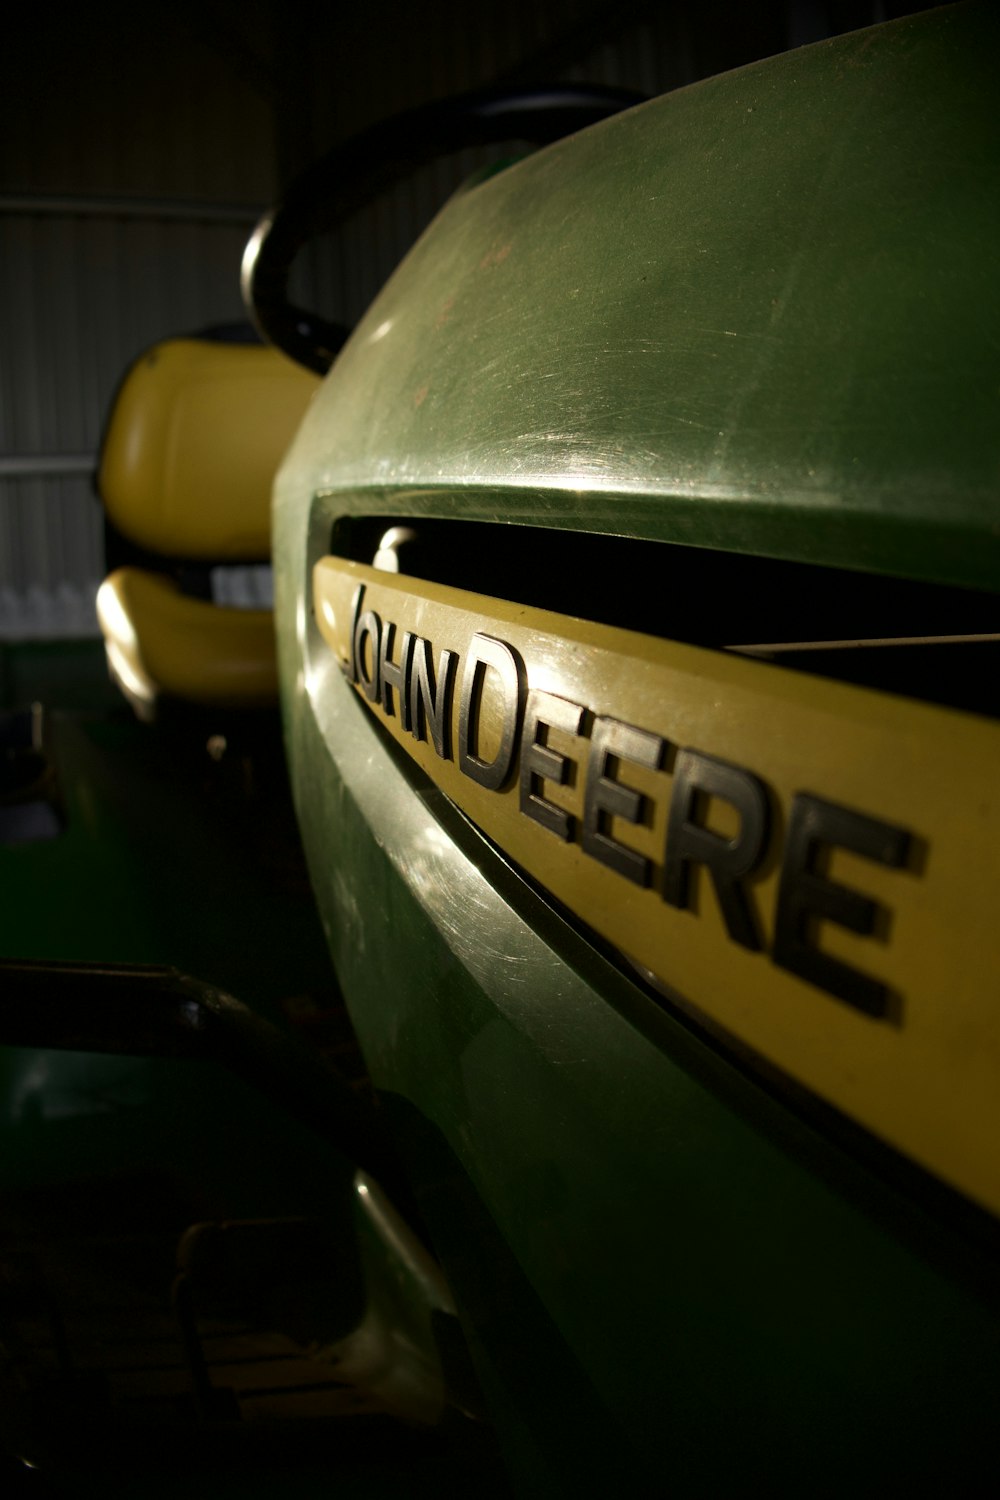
pixel 355 172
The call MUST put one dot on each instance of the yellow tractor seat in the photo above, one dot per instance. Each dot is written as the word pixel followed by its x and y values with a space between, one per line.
pixel 162 643
pixel 195 435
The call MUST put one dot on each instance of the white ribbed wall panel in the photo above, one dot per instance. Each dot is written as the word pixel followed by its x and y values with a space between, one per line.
pixel 80 297
pixel 107 111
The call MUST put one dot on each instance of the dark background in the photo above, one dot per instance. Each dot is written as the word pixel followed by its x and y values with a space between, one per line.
pixel 138 143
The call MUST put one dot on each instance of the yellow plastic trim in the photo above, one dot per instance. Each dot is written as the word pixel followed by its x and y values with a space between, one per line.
pixel 924 1076
pixel 160 642
pixel 193 442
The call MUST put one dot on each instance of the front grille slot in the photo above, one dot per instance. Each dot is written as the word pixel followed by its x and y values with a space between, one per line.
pixel 926 641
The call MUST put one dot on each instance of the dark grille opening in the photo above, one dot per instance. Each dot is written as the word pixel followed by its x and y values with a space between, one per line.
pixel 921 640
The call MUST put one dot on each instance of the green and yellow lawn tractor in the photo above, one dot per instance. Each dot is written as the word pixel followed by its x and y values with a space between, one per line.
pixel 637 597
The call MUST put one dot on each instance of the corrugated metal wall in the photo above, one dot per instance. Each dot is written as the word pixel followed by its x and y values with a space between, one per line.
pixel 137 144
pixel 82 294
pixel 134 158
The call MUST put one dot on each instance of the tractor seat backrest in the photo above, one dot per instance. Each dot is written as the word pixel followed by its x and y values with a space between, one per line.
pixel 195 435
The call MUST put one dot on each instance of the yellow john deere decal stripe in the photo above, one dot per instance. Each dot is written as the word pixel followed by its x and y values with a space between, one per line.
pixel 813 865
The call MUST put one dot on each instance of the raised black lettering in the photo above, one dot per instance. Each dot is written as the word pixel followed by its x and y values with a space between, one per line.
pixel 806 897
pixel 541 763
pixel 606 797
pixel 430 695
pixel 351 667
pixel 394 677
pixel 369 627
pixel 698 777
pixel 486 652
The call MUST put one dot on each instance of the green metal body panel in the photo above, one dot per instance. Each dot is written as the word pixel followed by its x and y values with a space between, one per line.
pixel 760 315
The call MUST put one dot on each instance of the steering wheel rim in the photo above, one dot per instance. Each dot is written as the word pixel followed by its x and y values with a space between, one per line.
pixel 357 170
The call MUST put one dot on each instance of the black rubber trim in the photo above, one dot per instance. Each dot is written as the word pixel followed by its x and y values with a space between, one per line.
pixel 357 170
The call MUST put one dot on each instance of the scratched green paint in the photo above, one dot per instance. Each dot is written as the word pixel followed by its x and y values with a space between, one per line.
pixel 760 314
